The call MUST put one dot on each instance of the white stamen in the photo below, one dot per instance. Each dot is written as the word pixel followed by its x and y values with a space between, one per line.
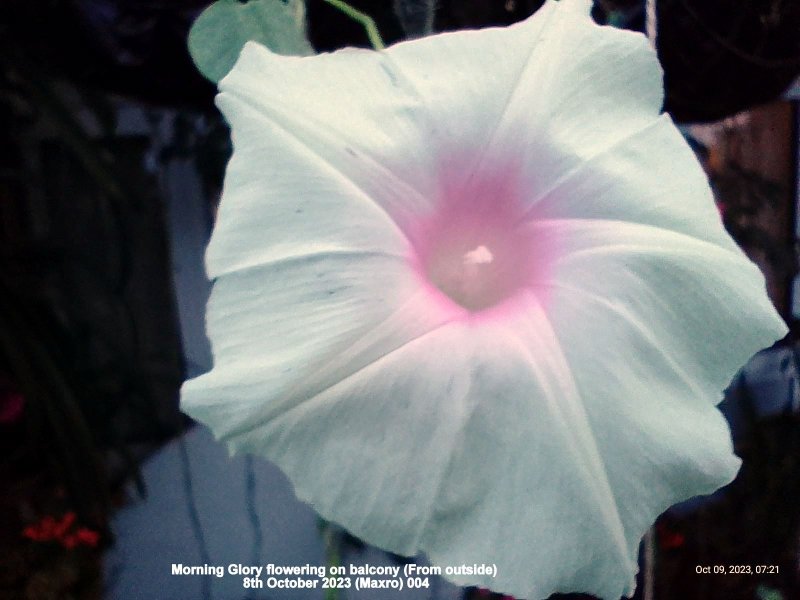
pixel 480 256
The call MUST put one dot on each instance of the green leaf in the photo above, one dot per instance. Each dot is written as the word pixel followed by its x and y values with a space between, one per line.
pixel 218 34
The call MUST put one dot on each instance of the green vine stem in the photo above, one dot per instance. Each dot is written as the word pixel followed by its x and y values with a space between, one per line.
pixel 331 537
pixel 364 19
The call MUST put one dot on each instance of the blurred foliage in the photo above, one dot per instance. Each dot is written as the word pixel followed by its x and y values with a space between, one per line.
pixel 58 435
pixel 717 61
pixel 756 523
pixel 416 16
pixel 83 288
pixel 745 197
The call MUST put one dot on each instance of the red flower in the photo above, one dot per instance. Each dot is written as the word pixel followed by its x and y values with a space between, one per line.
pixel 87 537
pixel 63 526
pixel 50 530
pixel 34 533
pixel 669 539
pixel 44 531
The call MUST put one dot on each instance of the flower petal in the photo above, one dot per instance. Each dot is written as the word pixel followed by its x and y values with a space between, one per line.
pixel 368 451
pixel 281 197
pixel 526 488
pixel 341 117
pixel 676 317
pixel 705 306
pixel 399 125
pixel 584 89
pixel 650 177
pixel 464 81
pixel 273 325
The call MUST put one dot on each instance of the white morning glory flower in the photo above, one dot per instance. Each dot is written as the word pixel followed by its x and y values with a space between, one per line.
pixel 473 296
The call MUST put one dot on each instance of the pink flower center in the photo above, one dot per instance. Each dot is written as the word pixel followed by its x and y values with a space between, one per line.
pixel 477 265
pixel 475 248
